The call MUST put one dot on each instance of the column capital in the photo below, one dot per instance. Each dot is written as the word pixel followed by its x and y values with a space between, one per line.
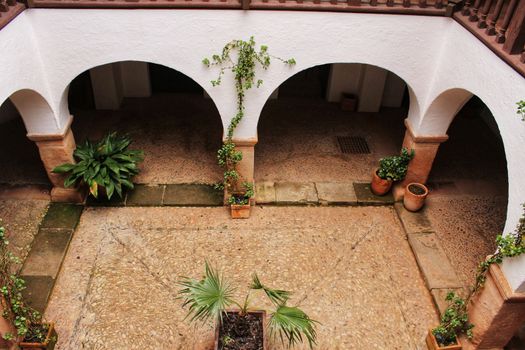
pixel 423 138
pixel 248 142
pixel 52 137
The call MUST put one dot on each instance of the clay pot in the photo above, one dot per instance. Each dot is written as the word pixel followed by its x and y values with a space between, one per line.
pixel 432 343
pixel 48 344
pixel 348 102
pixel 379 186
pixel 415 194
pixel 240 211
pixel 260 313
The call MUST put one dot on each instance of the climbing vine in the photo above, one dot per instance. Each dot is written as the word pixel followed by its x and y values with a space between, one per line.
pixel 509 246
pixel 248 58
pixel 521 109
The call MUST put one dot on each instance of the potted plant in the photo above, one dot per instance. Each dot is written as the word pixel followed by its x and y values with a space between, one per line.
pixel 28 329
pixel 454 322
pixel 390 169
pixel 209 299
pixel 106 166
pixel 415 194
pixel 240 202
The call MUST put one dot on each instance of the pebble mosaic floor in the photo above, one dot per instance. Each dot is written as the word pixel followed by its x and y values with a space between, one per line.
pixel 351 269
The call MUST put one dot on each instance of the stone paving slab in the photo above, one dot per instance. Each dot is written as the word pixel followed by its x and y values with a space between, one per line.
pixel 47 253
pixel 199 195
pixel 440 294
pixel 265 192
pixel 294 193
pixel 115 201
pixel 144 195
pixel 366 197
pixel 331 193
pixel 62 215
pixel 417 222
pixel 37 291
pixel 433 261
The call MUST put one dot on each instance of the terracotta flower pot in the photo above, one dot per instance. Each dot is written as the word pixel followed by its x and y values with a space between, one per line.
pixel 48 344
pixel 415 194
pixel 432 343
pixel 260 314
pixel 240 211
pixel 348 102
pixel 379 186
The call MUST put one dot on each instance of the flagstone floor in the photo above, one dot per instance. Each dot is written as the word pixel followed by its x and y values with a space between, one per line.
pixel 350 268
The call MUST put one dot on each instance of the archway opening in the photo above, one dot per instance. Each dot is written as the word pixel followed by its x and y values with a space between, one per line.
pixel 331 123
pixel 19 158
pixel 469 188
pixel 165 112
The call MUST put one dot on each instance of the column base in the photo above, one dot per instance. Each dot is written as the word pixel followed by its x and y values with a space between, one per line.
pixel 496 311
pixel 68 195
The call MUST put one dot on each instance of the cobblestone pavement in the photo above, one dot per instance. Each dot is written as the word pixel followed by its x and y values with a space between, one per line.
pixel 351 269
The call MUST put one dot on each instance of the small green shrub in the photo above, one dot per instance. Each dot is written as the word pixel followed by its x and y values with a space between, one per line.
pixel 107 163
pixel 395 168
pixel 207 299
pixel 454 321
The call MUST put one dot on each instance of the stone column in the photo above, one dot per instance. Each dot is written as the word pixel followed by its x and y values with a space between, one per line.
pixel 496 311
pixel 425 148
pixel 56 150
pixel 245 168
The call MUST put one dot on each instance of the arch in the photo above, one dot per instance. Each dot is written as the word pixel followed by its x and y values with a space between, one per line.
pixel 36 112
pixel 442 110
pixel 64 104
pixel 255 111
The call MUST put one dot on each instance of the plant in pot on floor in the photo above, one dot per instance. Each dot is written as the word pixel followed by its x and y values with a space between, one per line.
pixel 390 169
pixel 415 195
pixel 105 167
pixel 244 328
pixel 27 329
pixel 454 322
pixel 240 202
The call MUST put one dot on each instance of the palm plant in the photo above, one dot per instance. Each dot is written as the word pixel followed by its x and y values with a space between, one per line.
pixel 207 299
pixel 107 163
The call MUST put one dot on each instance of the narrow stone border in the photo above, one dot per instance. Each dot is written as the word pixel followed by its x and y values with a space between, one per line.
pixel 49 247
pixel 437 271
pixel 178 195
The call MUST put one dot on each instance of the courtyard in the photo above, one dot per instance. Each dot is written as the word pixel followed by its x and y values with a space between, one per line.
pixel 371 274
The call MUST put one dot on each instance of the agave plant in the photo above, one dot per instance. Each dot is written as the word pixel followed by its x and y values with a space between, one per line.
pixel 107 163
pixel 208 299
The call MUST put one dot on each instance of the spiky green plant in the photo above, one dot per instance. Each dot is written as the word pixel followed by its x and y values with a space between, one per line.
pixel 208 299
pixel 107 163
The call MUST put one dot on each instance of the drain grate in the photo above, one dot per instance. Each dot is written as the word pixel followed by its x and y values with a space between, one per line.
pixel 353 145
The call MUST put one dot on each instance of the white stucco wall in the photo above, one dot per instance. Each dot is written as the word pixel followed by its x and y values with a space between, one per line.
pixel 45 49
